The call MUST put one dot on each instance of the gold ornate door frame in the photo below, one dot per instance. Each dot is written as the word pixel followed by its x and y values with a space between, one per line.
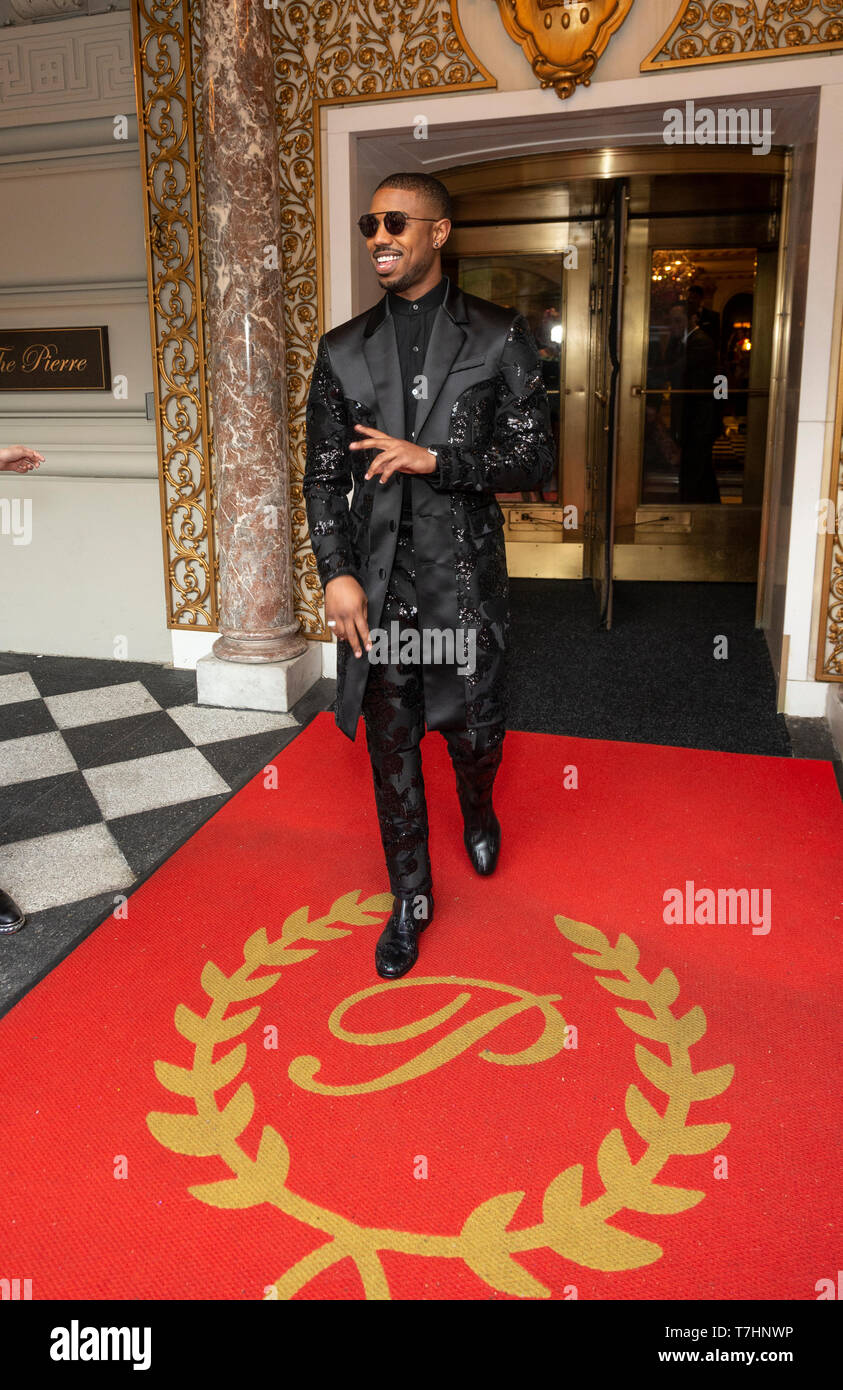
pixel 830 645
pixel 166 97
pixel 709 31
pixel 354 61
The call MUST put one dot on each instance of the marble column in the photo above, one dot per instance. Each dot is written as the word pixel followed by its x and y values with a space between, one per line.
pixel 247 347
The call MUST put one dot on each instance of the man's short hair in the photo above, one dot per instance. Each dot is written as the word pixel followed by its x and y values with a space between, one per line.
pixel 433 190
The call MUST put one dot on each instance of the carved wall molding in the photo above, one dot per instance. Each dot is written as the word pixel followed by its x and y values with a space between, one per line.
pixel 325 52
pixel 709 31
pixel 166 98
pixel 66 72
pixel 26 11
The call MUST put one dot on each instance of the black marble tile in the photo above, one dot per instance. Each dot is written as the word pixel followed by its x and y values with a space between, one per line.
pixel 150 837
pixel 23 717
pixel 170 687
pixel 319 697
pixel 119 740
pixel 811 738
pixel 60 675
pixel 237 760
pixel 46 806
pixel 11 663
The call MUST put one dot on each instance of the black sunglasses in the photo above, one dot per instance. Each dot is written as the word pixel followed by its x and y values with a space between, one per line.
pixel 394 222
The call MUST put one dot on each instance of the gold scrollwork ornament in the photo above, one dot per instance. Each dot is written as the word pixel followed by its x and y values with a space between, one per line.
pixel 563 41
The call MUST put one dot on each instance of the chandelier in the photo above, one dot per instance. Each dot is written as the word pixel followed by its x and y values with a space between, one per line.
pixel 673 267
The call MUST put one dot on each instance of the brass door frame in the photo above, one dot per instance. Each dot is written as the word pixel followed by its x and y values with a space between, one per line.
pixel 775 421
pixel 525 184
pixel 531 555
pixel 607 321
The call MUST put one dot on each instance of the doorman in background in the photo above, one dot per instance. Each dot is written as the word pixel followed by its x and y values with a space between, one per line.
pixel 427 405
pixel 690 364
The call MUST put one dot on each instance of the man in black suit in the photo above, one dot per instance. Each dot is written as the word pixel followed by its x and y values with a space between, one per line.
pixel 426 405
pixel 691 364
pixel 707 321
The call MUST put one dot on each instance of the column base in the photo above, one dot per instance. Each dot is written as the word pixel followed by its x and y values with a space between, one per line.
pixel 270 685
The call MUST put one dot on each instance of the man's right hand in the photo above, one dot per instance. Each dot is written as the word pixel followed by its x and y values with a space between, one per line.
pixel 18 458
pixel 346 604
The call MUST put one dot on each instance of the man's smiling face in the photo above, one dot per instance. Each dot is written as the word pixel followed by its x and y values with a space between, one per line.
pixel 405 260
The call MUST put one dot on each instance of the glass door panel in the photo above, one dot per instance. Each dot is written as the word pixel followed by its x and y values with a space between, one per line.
pixel 531 285
pixel 701 439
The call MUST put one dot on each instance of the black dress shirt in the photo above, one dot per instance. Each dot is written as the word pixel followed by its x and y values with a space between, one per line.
pixel 413 320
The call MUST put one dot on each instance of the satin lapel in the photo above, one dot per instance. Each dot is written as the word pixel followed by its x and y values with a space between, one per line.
pixel 446 340
pixel 381 353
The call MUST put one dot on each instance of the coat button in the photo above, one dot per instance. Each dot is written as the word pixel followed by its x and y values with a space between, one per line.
pixel 392 525
pixel 381 573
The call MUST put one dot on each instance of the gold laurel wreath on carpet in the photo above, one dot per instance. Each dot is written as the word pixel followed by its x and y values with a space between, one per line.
pixel 578 1232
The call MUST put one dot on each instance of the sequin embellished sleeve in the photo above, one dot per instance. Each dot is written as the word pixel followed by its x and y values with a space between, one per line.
pixel 327 474
pixel 521 453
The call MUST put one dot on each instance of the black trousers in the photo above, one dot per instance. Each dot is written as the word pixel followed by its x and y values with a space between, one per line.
pixel 394 715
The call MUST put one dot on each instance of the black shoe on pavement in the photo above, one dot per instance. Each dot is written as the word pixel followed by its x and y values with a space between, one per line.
pixel 11 917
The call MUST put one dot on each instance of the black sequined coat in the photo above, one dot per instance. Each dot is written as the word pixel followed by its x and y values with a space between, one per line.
pixel 487 415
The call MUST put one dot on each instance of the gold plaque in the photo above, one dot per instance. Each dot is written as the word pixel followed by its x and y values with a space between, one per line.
pixel 563 41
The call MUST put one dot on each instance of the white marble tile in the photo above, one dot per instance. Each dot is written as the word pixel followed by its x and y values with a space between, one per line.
pixel 164 779
pixel 94 706
pixel 16 687
pixel 62 868
pixel 207 724
pixel 35 755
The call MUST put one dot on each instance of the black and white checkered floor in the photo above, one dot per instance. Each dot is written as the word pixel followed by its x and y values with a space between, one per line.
pixel 106 767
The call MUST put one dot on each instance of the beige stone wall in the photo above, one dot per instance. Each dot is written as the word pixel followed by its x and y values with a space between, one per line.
pixel 89 581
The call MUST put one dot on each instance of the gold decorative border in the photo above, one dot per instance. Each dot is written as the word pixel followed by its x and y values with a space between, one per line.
pixel 709 31
pixel 164 94
pixel 326 52
pixel 830 646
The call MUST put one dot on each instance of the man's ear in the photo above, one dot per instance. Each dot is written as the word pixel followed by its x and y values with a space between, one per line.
pixel 441 232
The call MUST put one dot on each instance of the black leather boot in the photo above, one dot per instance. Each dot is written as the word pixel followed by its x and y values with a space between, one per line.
pixel 476 768
pixel 11 917
pixel 482 838
pixel 398 947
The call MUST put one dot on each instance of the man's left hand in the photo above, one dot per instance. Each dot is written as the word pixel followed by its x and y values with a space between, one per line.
pixel 394 455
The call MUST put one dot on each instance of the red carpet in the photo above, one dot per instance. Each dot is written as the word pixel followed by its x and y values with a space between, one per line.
pixel 218 1098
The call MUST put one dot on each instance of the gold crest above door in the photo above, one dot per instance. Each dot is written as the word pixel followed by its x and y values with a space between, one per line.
pixel 563 41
